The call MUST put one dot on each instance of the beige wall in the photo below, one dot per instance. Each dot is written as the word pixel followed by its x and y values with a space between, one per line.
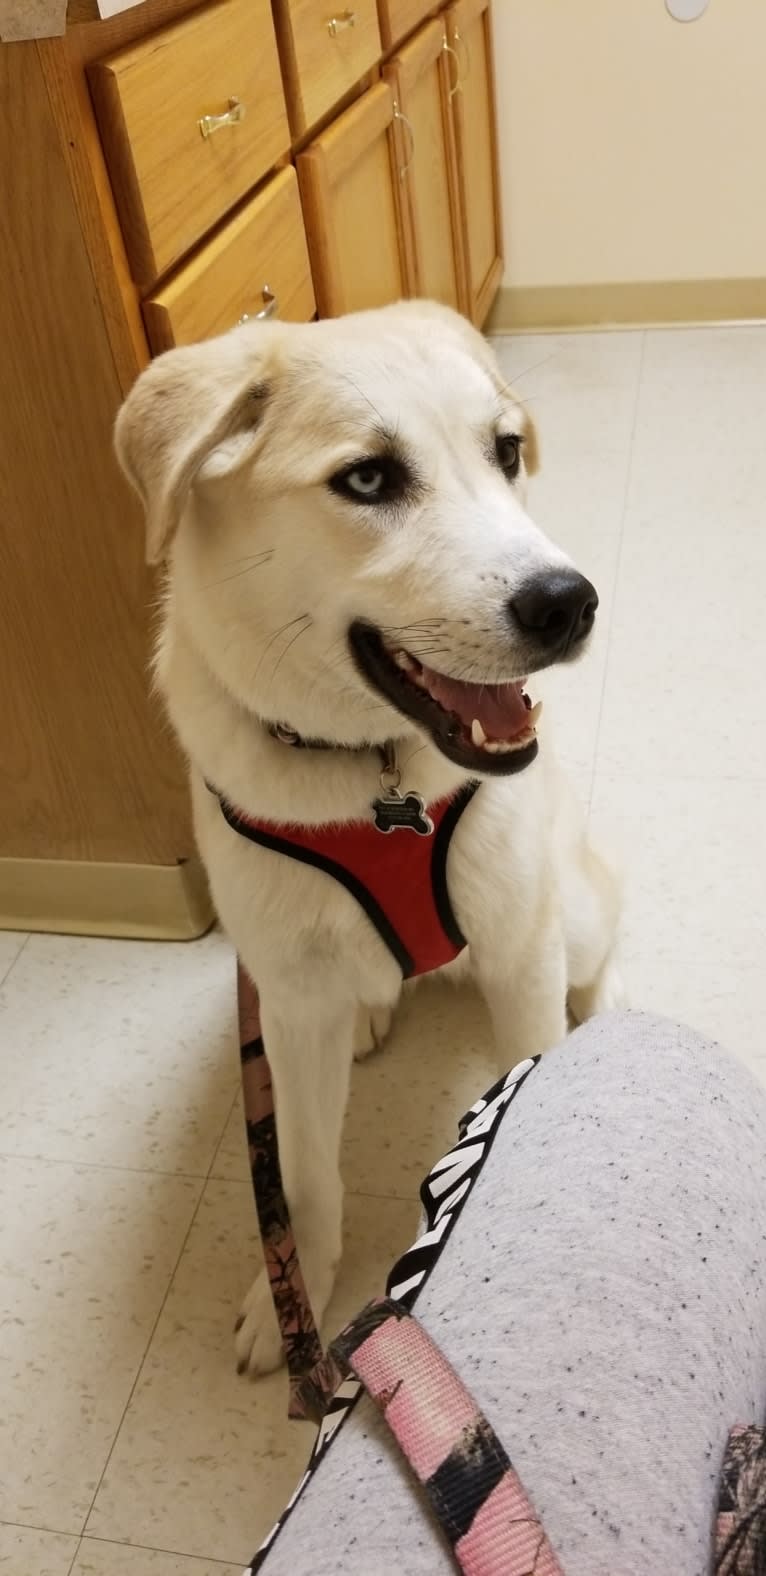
pixel 632 147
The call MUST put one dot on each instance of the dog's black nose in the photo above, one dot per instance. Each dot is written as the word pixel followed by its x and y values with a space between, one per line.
pixel 558 609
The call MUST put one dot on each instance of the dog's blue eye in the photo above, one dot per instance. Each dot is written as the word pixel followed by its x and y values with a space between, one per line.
pixel 508 450
pixel 366 480
pixel 382 479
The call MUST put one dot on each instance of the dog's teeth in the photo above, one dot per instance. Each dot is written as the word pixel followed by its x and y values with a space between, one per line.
pixel 507 746
pixel 534 714
pixel 478 735
pixel 492 745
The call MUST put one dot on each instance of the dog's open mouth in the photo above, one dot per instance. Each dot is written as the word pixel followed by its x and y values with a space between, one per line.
pixel 483 727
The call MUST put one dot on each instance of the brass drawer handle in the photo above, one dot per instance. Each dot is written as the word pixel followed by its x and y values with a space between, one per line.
pixel 404 169
pixel 230 117
pixel 338 24
pixel 270 308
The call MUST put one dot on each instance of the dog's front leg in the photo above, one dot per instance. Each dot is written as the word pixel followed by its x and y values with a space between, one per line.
pixel 526 994
pixel 309 1041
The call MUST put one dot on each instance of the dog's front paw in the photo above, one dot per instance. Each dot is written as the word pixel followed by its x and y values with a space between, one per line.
pixel 257 1340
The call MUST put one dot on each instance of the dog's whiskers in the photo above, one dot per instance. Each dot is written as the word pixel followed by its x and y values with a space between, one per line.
pixel 245 557
pixel 414 625
pixel 302 617
pixel 258 560
pixel 306 627
pixel 328 666
pixel 364 396
pixel 423 649
pixel 410 758
pixel 509 389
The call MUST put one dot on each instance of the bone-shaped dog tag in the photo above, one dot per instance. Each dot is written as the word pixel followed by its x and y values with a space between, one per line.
pixel 396 812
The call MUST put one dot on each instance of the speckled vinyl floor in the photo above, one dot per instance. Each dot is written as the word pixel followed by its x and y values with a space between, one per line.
pixel 128 1445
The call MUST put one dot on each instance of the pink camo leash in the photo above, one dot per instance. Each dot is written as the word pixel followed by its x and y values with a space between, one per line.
pixel 473 1490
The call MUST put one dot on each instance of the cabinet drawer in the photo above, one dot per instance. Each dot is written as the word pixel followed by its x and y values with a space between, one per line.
pixel 325 50
pixel 190 117
pixel 257 264
pixel 399 17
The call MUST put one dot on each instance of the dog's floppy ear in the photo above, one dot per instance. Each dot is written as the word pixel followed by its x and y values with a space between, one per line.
pixel 189 405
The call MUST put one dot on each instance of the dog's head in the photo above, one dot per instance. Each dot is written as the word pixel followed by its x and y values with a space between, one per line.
pixel 343 507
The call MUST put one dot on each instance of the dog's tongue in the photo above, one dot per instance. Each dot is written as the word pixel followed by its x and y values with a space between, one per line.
pixel 500 708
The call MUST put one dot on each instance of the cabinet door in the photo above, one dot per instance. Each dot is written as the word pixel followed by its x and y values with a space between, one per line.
pixel 435 257
pixel 352 205
pixel 473 113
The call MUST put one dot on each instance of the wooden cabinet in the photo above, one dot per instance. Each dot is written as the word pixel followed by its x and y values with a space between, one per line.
pixel 473 111
pixel 419 78
pixel 352 201
pixel 256 266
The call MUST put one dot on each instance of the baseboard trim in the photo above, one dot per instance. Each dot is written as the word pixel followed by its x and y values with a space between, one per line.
pixel 518 309
pixel 73 898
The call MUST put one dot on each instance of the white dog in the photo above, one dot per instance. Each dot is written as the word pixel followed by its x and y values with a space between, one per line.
pixel 352 569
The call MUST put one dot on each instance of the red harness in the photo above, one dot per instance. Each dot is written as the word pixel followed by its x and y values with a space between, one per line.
pixel 399 879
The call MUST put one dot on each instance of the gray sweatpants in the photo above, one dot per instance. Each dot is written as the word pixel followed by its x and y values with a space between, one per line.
pixel 603 1295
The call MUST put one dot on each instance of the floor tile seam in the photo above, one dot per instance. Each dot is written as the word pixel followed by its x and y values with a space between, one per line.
pixel 209 1174
pixel 35 1526
pixel 101 1165
pixel 147 1348
pixel 11 966
pixel 629 471
pixel 75 1556
pixel 152 1548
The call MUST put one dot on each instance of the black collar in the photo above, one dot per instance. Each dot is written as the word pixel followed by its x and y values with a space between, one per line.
pixel 390 776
